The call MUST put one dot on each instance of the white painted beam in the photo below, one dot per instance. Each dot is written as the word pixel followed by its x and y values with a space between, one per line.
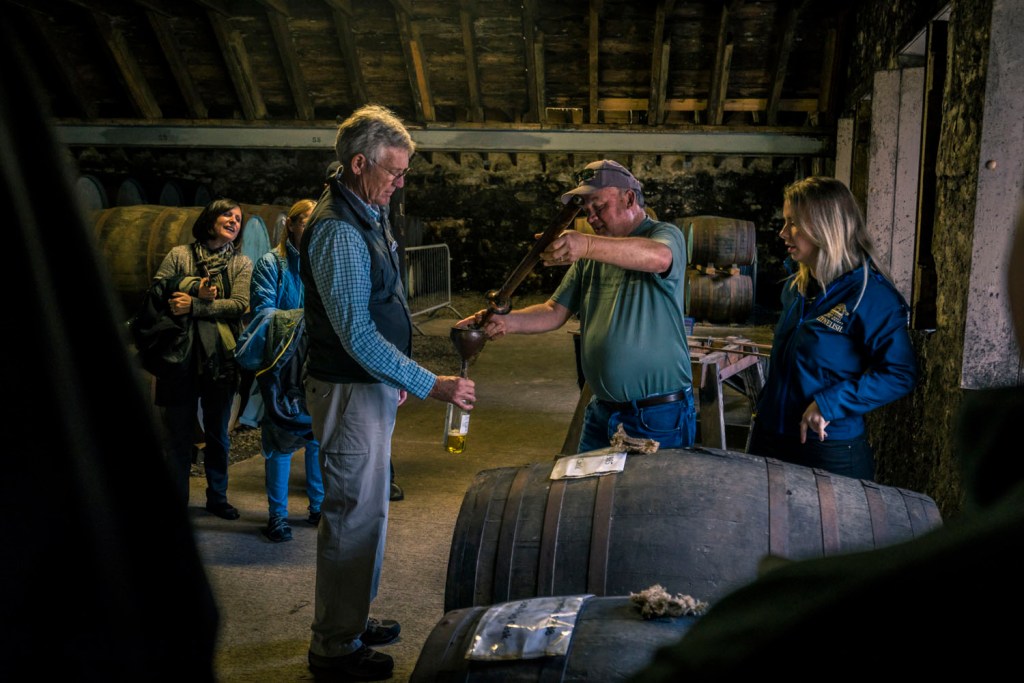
pixel 511 140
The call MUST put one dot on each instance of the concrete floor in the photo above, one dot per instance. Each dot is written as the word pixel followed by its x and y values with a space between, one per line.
pixel 527 393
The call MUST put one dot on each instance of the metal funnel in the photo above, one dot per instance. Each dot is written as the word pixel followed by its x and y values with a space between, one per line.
pixel 468 342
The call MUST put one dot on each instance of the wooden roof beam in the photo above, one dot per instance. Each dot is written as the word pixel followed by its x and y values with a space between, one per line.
pixel 179 69
pixel 278 7
pixel 467 12
pixel 343 6
pixel 236 59
pixel 72 83
pixel 723 60
pixel 828 76
pixel 131 72
pixel 415 61
pixel 342 15
pixel 593 52
pixel 744 104
pixel 786 40
pixel 533 93
pixel 659 64
pixel 218 6
pixel 290 60
pixel 538 82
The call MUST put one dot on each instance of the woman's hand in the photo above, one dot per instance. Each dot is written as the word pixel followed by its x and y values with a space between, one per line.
pixel 180 303
pixel 207 290
pixel 813 420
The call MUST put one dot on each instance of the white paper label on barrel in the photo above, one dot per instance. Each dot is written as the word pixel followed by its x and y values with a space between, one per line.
pixel 526 629
pixel 573 466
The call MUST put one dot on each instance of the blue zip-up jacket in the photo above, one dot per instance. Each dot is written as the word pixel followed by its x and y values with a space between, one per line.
pixel 268 274
pixel 847 348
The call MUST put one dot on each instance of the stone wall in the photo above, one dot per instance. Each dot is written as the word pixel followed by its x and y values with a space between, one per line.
pixel 914 437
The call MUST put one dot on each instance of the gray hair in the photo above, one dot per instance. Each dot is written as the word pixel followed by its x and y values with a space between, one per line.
pixel 367 131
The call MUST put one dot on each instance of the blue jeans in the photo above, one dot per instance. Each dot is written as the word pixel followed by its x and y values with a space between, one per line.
pixel 672 425
pixel 279 468
pixel 846 457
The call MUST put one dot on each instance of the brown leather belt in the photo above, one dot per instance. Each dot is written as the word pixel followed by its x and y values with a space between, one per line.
pixel 648 402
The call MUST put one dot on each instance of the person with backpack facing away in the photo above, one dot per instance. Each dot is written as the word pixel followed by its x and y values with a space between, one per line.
pixel 276 285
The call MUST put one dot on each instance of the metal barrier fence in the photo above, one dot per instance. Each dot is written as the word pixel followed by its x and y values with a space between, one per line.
pixel 428 280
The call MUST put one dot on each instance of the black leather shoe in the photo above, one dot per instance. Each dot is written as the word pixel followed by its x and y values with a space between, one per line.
pixel 223 510
pixel 314 517
pixel 396 492
pixel 380 631
pixel 364 664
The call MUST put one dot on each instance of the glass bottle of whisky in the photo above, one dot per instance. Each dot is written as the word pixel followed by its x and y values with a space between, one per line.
pixel 456 427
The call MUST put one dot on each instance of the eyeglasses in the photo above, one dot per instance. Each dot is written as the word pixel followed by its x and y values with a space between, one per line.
pixel 590 173
pixel 395 175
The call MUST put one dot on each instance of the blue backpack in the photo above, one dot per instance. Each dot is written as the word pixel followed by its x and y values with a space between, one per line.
pixel 274 346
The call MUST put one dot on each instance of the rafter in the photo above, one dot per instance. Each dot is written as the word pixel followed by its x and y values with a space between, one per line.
pixel 538 81
pixel 723 60
pixel 467 12
pixel 279 7
pixel 236 59
pixel 415 61
pixel 218 6
pixel 179 69
pixel 828 75
pixel 659 64
pixel 72 83
pixel 290 60
pixel 593 63
pixel 343 6
pixel 131 72
pixel 786 40
pixel 341 11
pixel 744 104
pixel 536 104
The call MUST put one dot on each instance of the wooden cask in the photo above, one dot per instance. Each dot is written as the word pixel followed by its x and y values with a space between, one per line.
pixel 696 521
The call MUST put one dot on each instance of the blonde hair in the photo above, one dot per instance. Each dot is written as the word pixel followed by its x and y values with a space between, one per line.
pixel 298 208
pixel 826 211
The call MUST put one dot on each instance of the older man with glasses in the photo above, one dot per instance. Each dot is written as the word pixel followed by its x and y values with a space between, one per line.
pixel 358 371
pixel 626 283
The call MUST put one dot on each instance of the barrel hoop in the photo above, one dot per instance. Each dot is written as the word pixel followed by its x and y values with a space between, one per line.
pixel 549 539
pixel 778 509
pixel 829 513
pixel 475 533
pixel 877 513
pixel 507 539
pixel 155 238
pixel 554 669
pixel 925 506
pixel 453 658
pixel 600 534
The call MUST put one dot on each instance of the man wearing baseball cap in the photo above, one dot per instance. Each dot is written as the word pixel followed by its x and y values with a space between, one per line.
pixel 626 284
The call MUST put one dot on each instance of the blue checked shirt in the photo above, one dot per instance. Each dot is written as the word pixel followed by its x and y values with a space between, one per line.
pixel 340 265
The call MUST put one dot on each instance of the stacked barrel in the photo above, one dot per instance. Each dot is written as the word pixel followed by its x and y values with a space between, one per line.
pixel 722 268
pixel 696 522
pixel 135 239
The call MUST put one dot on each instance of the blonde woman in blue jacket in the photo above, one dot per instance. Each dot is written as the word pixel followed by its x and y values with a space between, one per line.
pixel 276 284
pixel 841 347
